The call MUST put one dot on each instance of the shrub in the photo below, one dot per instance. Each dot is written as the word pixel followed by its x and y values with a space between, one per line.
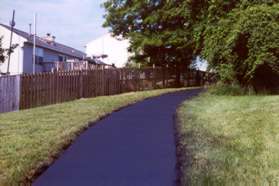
pixel 229 89
pixel 244 46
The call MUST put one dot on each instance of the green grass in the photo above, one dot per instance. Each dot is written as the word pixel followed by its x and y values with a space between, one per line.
pixel 31 139
pixel 229 140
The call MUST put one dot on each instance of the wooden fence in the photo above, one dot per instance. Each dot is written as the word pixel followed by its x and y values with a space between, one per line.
pixel 9 93
pixel 28 91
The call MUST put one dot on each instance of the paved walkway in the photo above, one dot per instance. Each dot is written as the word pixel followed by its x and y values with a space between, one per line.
pixel 132 147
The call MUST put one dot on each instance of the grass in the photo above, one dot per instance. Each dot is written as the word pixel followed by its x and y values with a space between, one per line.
pixel 229 140
pixel 32 139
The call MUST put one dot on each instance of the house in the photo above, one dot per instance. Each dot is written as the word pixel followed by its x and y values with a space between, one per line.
pixel 115 51
pixel 48 52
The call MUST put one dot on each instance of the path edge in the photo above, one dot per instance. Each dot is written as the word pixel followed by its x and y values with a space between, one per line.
pixel 179 150
pixel 44 165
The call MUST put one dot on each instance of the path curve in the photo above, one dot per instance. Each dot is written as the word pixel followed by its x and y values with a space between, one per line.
pixel 132 147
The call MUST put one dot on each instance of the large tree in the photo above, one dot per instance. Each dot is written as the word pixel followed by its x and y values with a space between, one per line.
pixel 240 40
pixel 158 30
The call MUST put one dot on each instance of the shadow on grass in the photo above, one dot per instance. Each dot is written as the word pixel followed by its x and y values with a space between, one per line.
pixel 207 159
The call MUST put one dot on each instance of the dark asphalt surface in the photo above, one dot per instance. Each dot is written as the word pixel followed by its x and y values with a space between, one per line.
pixel 132 147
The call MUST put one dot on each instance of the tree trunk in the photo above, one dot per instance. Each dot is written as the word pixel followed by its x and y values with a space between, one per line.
pixel 178 73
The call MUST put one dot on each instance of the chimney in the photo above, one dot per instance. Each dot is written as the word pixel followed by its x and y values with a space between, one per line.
pixel 49 39
pixel 30 28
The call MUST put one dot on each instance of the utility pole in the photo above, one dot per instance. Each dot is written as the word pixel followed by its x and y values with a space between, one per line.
pixel 34 43
pixel 12 24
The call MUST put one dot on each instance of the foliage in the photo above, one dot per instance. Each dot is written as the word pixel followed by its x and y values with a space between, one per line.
pixel 243 44
pixel 157 29
pixel 240 40
pixel 232 89
pixel 132 64
pixel 4 52
pixel 226 73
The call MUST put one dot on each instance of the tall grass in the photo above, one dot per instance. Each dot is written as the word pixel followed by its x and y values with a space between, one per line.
pixel 229 140
pixel 230 89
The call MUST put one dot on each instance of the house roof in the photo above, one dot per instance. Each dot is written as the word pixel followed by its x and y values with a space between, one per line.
pixel 99 62
pixel 95 61
pixel 58 47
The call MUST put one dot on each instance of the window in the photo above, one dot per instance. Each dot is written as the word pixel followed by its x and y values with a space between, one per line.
pixel 62 58
pixel 39 52
pixel 39 58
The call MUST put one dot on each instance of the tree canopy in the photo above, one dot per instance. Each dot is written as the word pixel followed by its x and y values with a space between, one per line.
pixel 157 29
pixel 238 38
pixel 243 43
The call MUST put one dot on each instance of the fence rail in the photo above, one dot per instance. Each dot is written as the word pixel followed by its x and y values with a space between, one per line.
pixel 28 91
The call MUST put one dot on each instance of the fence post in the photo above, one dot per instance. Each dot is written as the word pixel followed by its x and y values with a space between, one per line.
pixel 17 91
pixel 153 76
pixel 80 84
pixel 164 77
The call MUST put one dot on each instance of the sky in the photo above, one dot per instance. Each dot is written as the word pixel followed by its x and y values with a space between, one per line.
pixel 74 22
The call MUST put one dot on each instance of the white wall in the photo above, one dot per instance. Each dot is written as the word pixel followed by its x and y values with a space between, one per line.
pixel 16 65
pixel 116 50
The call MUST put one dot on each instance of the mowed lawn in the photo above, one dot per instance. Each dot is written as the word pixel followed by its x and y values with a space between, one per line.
pixel 32 138
pixel 229 140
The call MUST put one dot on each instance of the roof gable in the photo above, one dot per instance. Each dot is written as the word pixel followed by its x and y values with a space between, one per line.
pixel 58 47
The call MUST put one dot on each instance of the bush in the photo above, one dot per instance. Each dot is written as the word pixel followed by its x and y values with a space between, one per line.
pixel 229 89
pixel 244 45
pixel 226 73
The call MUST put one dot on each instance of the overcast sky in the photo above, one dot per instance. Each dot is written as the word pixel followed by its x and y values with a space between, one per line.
pixel 73 22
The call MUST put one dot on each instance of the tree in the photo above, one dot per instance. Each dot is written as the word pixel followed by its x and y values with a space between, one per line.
pixel 5 52
pixel 240 40
pixel 2 52
pixel 157 30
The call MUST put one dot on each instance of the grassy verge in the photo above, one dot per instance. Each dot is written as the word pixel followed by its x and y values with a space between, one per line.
pixel 229 140
pixel 31 139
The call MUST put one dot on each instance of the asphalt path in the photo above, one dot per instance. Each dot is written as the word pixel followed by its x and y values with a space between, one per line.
pixel 134 146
